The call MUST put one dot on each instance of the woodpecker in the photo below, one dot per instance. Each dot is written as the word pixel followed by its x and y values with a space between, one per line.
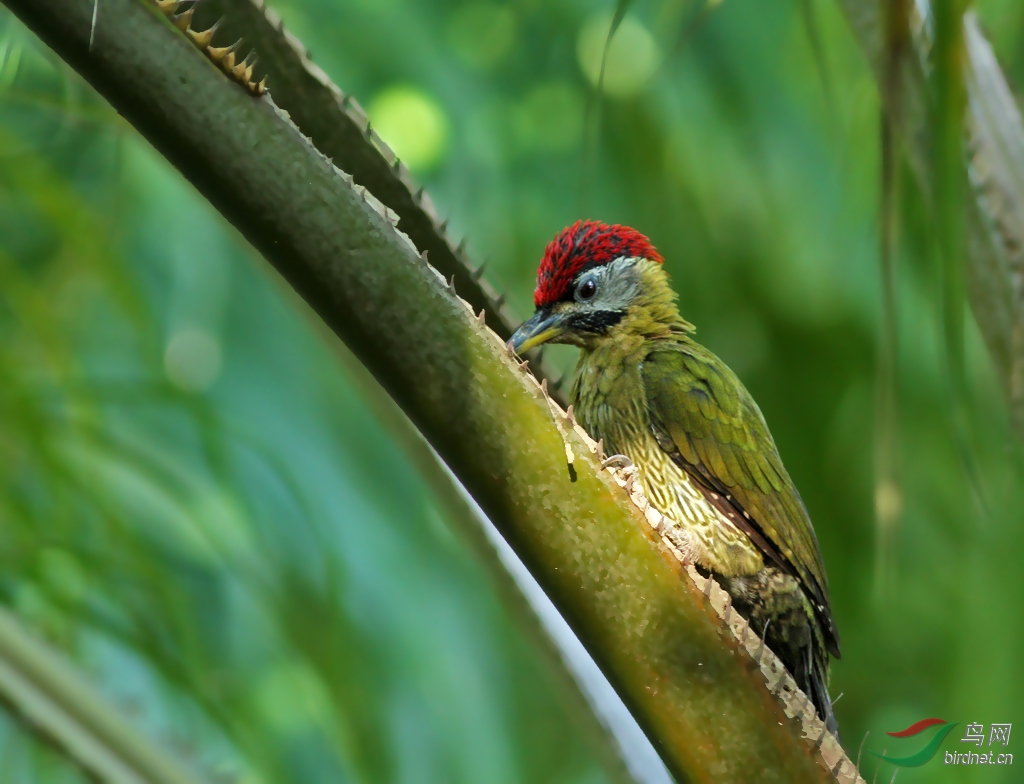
pixel 704 455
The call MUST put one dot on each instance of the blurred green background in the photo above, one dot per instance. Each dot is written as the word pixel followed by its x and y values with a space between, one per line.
pixel 198 502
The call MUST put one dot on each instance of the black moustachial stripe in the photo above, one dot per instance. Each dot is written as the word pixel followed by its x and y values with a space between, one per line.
pixel 598 321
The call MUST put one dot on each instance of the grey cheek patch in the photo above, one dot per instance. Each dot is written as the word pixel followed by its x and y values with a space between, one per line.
pixel 617 286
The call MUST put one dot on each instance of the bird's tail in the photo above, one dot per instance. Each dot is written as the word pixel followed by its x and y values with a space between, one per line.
pixel 817 684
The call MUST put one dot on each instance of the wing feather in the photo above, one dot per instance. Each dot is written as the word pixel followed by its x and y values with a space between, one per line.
pixel 715 431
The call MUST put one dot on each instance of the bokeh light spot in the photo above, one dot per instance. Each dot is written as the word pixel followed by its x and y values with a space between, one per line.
pixel 482 34
pixel 62 572
pixel 413 124
pixel 291 697
pixel 633 55
pixel 550 118
pixel 192 359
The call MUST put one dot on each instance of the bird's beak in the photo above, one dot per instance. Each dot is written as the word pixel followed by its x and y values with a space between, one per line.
pixel 541 327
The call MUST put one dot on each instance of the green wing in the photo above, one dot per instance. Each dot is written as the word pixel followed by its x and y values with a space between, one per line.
pixel 705 418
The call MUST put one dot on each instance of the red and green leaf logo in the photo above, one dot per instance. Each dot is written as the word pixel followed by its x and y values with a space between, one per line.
pixel 926 753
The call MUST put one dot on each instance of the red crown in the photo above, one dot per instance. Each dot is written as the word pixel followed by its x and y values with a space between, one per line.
pixel 581 246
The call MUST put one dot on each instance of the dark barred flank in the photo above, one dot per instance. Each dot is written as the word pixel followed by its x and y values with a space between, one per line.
pixel 221 56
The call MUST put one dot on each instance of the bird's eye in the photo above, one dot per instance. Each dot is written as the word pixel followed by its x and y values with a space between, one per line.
pixel 587 289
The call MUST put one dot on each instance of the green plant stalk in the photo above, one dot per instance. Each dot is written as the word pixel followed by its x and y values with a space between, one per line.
pixel 60 704
pixel 696 691
pixel 888 492
pixel 948 107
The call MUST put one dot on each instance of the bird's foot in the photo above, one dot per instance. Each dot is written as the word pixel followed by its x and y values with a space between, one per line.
pixel 624 467
pixel 617 461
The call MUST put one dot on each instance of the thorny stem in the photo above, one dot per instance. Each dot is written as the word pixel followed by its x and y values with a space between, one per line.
pixel 339 128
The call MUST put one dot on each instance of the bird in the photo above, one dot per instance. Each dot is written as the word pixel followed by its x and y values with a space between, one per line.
pixel 701 447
